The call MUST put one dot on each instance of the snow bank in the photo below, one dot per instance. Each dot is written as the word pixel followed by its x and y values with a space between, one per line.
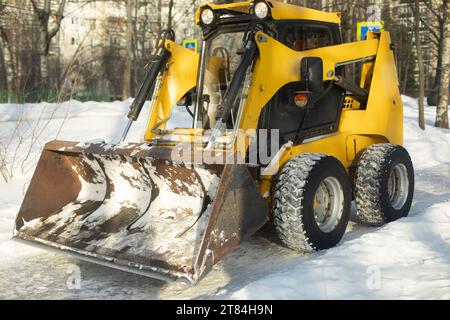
pixel 73 120
pixel 430 147
pixel 406 259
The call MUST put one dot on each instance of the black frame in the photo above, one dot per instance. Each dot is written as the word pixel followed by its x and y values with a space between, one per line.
pixel 335 31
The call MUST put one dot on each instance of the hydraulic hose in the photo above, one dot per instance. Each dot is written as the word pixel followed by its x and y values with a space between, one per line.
pixel 157 65
pixel 147 85
pixel 162 56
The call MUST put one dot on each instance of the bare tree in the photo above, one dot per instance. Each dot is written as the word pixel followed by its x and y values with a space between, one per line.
pixel 7 57
pixel 8 62
pixel 402 36
pixel 442 108
pixel 170 17
pixel 435 23
pixel 126 92
pixel 139 30
pixel 47 32
pixel 420 64
pixel 146 27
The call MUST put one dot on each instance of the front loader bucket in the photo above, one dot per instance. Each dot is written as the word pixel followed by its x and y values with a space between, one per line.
pixel 132 208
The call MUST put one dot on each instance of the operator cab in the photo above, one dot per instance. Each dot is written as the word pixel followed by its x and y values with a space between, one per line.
pixel 296 113
pixel 224 33
pixel 291 109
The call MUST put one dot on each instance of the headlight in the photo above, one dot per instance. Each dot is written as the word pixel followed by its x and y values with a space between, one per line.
pixel 261 10
pixel 208 16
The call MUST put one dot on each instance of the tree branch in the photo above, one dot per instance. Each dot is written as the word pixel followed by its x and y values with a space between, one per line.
pixel 59 17
pixel 36 7
pixel 429 6
pixel 431 30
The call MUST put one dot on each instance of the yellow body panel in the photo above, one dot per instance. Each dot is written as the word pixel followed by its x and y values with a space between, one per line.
pixel 344 146
pixel 272 52
pixel 384 113
pixel 279 11
pixel 381 121
pixel 177 80
pixel 382 118
pixel 286 11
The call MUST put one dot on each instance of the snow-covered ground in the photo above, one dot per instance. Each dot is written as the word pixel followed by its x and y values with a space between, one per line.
pixel 407 259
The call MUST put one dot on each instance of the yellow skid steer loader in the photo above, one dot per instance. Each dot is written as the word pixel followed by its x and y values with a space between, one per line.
pixel 280 132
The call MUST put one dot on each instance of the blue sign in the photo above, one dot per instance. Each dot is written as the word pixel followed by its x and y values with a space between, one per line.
pixel 368 26
pixel 191 44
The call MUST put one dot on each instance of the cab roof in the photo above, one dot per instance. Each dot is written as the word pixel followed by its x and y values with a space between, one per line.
pixel 279 11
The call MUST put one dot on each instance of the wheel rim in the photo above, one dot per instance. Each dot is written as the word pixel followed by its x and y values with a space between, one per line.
pixel 328 204
pixel 398 186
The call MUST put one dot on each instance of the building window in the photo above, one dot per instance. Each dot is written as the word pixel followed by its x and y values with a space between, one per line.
pixel 114 41
pixel 73 41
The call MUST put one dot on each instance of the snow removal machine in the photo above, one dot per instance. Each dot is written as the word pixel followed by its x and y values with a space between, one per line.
pixel 286 124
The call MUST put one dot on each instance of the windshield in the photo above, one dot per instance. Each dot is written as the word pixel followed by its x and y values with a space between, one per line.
pixel 220 63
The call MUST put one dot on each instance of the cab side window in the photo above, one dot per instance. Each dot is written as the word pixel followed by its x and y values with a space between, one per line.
pixel 301 38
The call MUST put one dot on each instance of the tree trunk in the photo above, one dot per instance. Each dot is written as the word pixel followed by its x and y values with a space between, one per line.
pixel 420 65
pixel 442 108
pixel 406 73
pixel 437 78
pixel 44 17
pixel 347 22
pixel 47 34
pixel 159 17
pixel 169 23
pixel 136 53
pixel 126 91
pixel 9 67
pixel 44 52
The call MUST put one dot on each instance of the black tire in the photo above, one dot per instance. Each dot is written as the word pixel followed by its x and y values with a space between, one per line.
pixel 294 202
pixel 376 200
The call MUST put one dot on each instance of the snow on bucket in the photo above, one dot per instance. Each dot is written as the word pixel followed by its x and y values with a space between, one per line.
pixel 132 208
